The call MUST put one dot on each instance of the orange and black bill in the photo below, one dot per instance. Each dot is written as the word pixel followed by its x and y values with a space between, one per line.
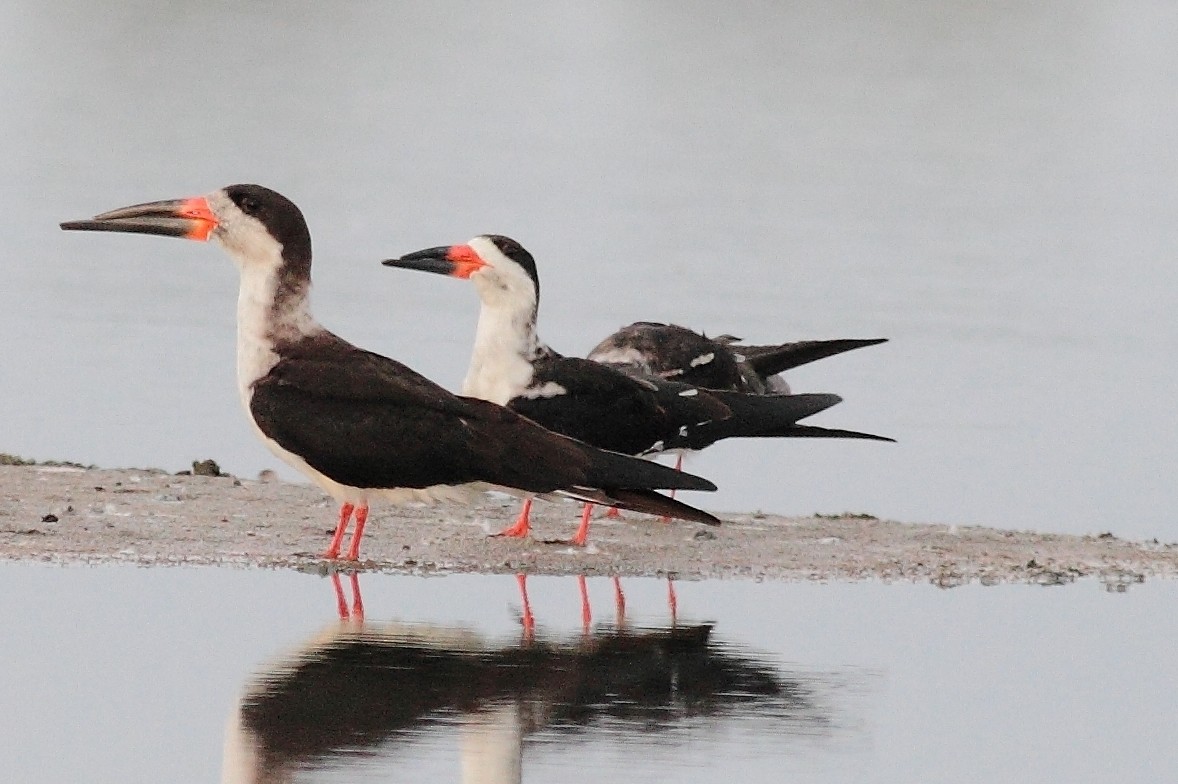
pixel 460 261
pixel 188 218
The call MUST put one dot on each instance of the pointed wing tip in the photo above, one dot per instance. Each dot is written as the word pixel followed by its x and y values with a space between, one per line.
pixel 698 483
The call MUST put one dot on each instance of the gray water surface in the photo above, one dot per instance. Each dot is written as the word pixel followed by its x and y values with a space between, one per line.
pixel 120 674
pixel 990 186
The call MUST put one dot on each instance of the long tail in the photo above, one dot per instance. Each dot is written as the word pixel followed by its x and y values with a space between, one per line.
pixel 771 360
pixel 753 416
pixel 812 431
pixel 611 471
pixel 647 501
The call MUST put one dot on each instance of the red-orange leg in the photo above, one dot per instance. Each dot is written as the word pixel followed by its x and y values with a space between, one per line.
pixel 357 602
pixel 361 521
pixel 522 525
pixel 341 604
pixel 345 514
pixel 586 610
pixel 619 602
pixel 582 534
pixel 526 618
pixel 678 467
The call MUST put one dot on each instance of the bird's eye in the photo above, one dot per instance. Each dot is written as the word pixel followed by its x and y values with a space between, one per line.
pixel 249 205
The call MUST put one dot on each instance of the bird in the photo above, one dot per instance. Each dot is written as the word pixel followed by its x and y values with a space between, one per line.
pixel 360 425
pixel 353 695
pixel 587 400
pixel 674 352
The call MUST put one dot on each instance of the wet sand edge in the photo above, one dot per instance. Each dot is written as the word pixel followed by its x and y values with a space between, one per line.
pixel 66 514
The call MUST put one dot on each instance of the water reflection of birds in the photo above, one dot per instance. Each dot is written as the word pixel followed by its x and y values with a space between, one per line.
pixel 359 688
pixel 528 621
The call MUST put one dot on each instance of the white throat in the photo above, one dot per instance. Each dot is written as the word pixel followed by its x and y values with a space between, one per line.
pixel 505 343
pixel 263 320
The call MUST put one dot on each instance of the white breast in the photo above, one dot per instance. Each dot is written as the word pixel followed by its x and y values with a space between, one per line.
pixel 499 366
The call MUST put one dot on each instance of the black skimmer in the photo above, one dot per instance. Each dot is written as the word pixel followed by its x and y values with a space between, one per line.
pixel 678 353
pixel 638 415
pixel 673 352
pixel 360 425
pixel 360 689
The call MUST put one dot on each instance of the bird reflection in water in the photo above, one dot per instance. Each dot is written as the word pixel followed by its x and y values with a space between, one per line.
pixel 362 687
pixel 528 620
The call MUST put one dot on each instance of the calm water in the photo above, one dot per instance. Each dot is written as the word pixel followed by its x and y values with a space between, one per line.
pixel 119 674
pixel 991 186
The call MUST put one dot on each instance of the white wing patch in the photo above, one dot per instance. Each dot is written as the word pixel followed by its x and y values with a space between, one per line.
pixel 549 389
pixel 619 356
pixel 703 359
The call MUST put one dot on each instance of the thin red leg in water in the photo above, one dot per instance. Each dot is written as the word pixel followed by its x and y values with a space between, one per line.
pixel 522 525
pixel 526 618
pixel 619 602
pixel 672 601
pixel 361 521
pixel 345 514
pixel 613 511
pixel 341 604
pixel 357 602
pixel 582 534
pixel 586 610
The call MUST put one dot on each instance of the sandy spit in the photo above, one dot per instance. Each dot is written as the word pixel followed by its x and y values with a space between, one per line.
pixel 66 514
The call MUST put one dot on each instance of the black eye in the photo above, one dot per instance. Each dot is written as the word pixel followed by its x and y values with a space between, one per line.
pixel 249 205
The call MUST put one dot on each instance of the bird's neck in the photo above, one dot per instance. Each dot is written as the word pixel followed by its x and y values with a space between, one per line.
pixel 505 346
pixel 493 746
pixel 273 308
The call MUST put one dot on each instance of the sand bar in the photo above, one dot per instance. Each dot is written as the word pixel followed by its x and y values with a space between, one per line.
pixel 68 514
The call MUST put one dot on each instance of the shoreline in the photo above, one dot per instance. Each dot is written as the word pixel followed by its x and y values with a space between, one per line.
pixel 61 513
